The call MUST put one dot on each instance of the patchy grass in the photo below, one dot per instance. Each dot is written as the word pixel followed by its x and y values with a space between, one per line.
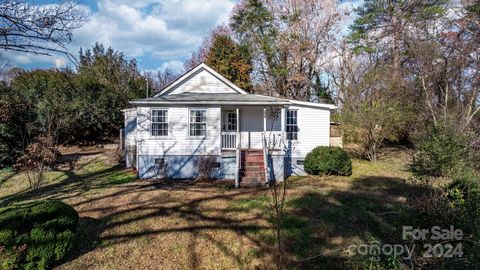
pixel 180 225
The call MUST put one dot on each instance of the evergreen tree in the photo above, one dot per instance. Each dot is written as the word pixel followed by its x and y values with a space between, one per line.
pixel 383 27
pixel 231 60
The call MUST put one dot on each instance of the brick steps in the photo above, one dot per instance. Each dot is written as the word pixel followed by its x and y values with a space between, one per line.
pixel 253 168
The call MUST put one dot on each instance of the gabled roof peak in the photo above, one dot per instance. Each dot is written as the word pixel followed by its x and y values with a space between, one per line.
pixel 200 66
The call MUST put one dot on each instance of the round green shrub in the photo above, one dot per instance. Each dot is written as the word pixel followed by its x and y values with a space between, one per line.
pixel 37 235
pixel 328 160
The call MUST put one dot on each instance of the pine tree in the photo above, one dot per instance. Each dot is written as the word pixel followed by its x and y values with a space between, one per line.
pixel 383 26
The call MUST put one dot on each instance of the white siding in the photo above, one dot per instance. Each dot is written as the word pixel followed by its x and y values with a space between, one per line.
pixel 314 129
pixel 193 84
pixel 313 124
pixel 251 124
pixel 130 124
pixel 178 141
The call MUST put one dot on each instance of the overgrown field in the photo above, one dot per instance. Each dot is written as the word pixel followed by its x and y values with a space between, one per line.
pixel 178 225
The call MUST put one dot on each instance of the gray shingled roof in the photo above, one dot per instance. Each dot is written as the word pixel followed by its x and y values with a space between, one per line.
pixel 211 98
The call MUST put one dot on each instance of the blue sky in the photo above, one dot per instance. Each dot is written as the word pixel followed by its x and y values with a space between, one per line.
pixel 158 33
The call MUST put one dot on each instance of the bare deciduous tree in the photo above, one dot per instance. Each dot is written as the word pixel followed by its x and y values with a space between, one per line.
pixel 290 41
pixel 39 29
pixel 161 79
pixel 374 105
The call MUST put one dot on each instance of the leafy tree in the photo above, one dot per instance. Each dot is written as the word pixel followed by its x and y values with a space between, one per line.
pixel 228 58
pixel 322 91
pixel 48 96
pixel 107 81
pixel 68 106
pixel 253 23
pixel 11 143
pixel 442 151
pixel 37 102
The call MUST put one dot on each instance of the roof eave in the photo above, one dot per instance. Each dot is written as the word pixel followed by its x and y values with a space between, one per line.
pixel 153 102
pixel 313 104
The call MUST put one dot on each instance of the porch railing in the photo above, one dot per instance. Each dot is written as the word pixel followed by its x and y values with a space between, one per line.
pixel 274 140
pixel 229 140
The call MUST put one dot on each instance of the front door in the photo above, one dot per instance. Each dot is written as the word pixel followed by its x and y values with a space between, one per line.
pixel 231 122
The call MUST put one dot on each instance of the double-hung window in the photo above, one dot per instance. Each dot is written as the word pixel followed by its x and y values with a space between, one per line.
pixel 198 122
pixel 159 122
pixel 292 125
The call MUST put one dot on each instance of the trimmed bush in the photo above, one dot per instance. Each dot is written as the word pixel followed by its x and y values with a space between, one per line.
pixel 328 160
pixel 37 235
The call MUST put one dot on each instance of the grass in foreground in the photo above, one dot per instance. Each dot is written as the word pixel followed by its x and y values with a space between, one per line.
pixel 172 225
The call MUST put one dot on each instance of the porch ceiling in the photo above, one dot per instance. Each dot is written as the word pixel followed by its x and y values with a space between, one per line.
pixel 211 98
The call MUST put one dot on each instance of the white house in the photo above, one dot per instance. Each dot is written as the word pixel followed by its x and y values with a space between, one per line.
pixel 203 114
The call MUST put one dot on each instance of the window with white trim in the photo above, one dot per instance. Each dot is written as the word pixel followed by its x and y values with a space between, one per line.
pixel 198 122
pixel 292 125
pixel 160 122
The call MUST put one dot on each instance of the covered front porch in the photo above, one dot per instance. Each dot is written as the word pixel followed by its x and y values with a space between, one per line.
pixel 255 136
pixel 253 127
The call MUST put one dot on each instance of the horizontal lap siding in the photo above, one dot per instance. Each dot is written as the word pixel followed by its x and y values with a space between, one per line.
pixel 251 119
pixel 314 129
pixel 251 125
pixel 178 142
pixel 193 84
pixel 130 124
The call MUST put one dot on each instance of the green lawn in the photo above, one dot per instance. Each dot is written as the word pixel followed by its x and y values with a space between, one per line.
pixel 177 225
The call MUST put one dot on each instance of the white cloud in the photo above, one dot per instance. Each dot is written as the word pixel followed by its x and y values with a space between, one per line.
pixel 166 30
pixel 153 31
pixel 175 66
pixel 23 59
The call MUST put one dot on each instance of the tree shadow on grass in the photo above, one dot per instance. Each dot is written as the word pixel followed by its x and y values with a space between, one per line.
pixel 73 184
pixel 198 220
pixel 87 238
pixel 319 227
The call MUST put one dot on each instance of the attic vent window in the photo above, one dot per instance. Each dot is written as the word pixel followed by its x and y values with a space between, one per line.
pixel 202 80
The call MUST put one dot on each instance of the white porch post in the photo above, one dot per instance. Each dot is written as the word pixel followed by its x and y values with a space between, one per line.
pixel 238 152
pixel 282 123
pixel 264 120
pixel 264 143
pixel 238 127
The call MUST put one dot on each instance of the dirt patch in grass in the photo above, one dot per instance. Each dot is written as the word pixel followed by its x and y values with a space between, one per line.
pixel 126 224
